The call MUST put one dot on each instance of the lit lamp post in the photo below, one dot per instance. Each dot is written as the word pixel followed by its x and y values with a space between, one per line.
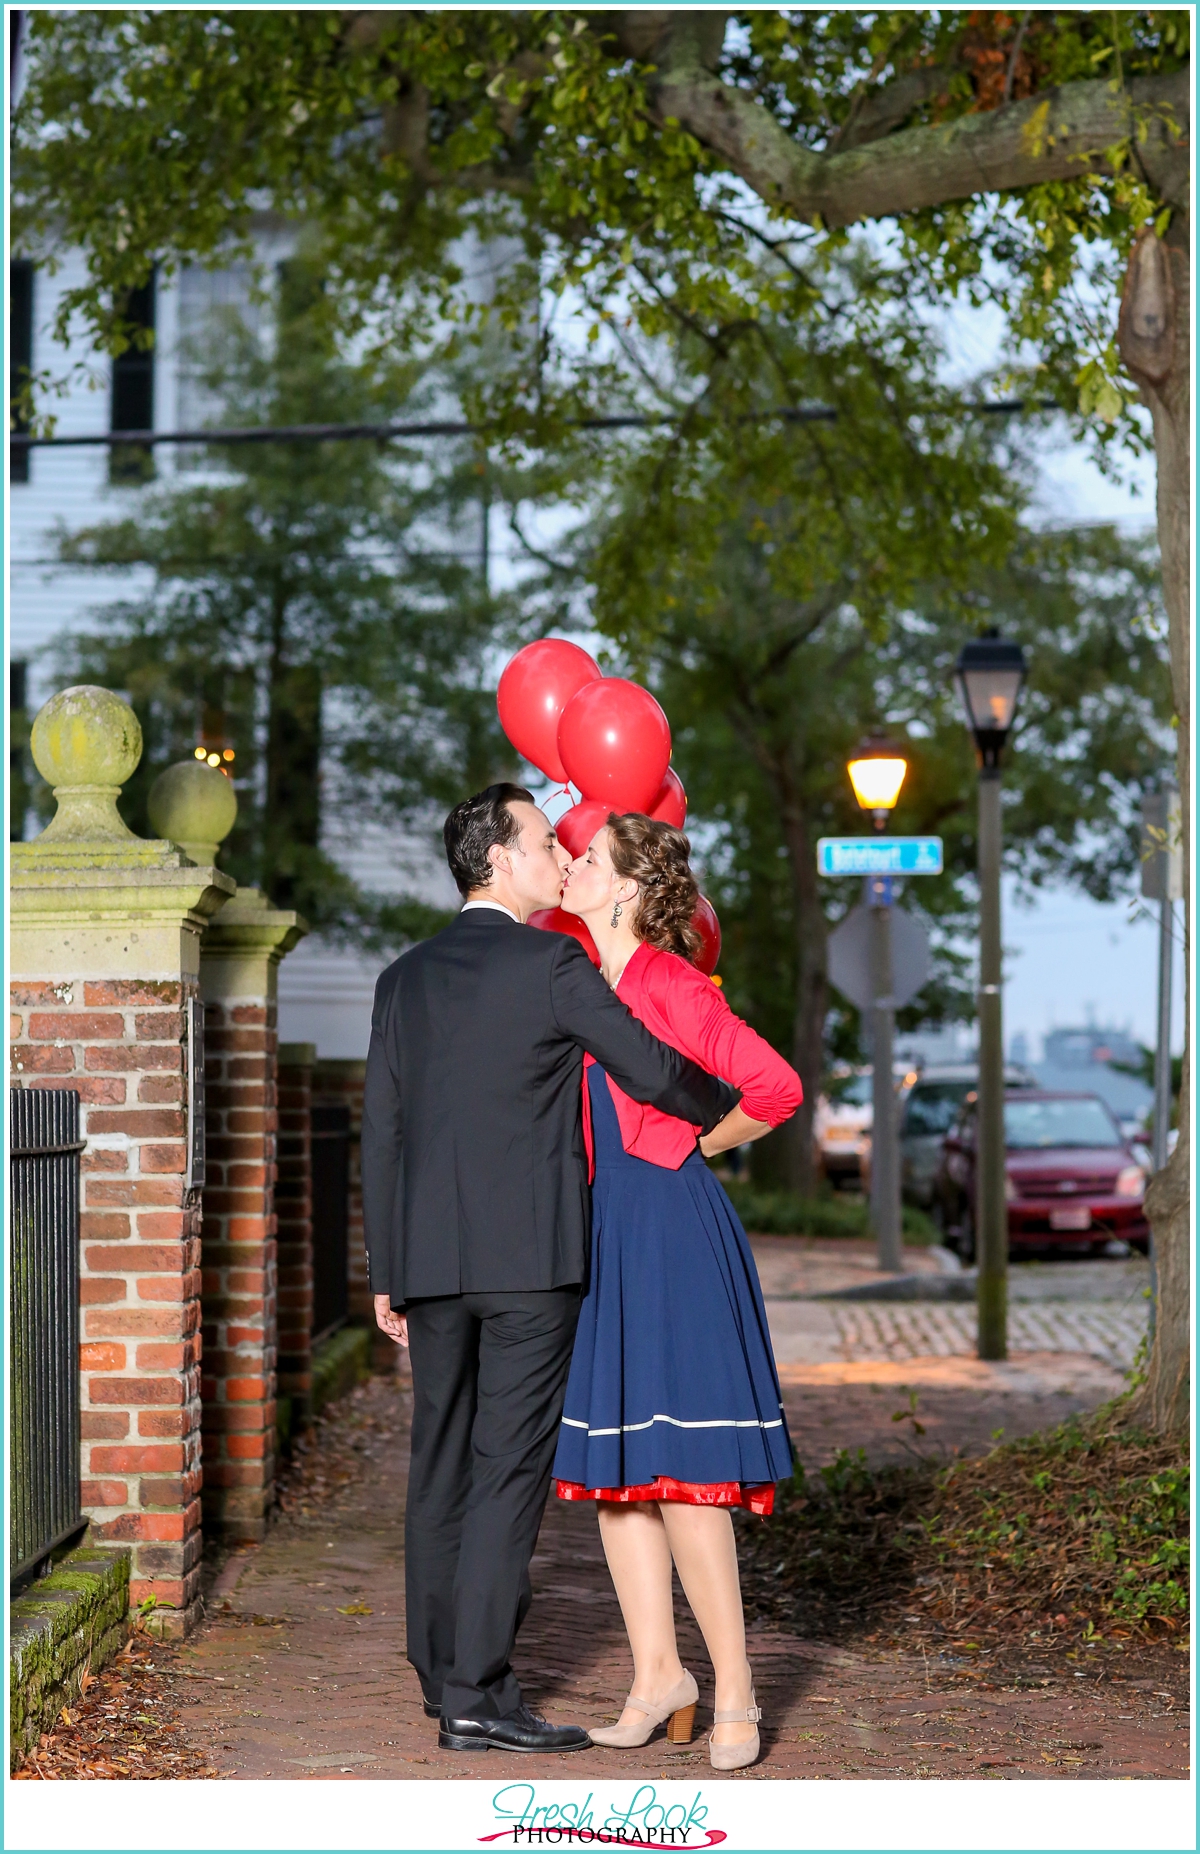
pixel 990 671
pixel 877 773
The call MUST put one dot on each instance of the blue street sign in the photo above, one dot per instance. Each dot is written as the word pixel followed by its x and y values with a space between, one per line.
pixel 846 856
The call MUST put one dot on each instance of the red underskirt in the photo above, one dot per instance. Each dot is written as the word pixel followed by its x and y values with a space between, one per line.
pixel 757 1499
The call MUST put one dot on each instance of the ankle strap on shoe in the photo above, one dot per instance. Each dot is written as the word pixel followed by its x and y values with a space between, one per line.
pixel 753 1713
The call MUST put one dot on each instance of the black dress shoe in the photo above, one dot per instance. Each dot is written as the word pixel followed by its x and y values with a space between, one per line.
pixel 521 1731
pixel 430 1710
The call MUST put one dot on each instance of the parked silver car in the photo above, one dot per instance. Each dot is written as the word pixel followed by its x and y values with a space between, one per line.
pixel 928 1110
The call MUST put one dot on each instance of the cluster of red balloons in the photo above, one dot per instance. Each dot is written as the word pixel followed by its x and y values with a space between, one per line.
pixel 610 739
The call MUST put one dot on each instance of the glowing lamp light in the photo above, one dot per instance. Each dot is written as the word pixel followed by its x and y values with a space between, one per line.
pixel 877 772
pixel 990 672
pixel 201 753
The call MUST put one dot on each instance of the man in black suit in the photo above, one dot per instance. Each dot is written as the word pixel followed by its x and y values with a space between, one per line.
pixel 477 1217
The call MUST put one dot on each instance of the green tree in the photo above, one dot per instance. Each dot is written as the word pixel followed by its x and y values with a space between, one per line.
pixel 789 590
pixel 648 158
pixel 319 610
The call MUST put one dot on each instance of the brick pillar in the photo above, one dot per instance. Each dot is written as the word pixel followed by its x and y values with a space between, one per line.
pixel 293 1212
pixel 105 961
pixel 239 966
pixel 343 1081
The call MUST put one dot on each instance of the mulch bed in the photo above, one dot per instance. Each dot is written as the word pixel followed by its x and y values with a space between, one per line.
pixel 124 1725
pixel 1075 1535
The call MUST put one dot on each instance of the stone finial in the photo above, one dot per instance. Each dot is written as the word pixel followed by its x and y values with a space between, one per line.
pixel 195 806
pixel 86 743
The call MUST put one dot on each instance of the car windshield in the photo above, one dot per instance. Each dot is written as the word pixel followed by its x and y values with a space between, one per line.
pixel 932 1106
pixel 851 1091
pixel 1029 1125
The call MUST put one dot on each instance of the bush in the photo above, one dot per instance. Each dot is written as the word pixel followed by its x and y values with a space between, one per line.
pixel 786 1213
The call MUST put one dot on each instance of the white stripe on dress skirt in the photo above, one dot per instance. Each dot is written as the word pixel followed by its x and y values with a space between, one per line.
pixel 727 1422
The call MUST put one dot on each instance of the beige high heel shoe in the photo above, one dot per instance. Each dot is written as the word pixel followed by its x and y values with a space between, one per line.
pixel 678 1709
pixel 733 1757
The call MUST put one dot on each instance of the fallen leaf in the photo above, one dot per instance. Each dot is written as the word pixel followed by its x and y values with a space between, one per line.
pixel 65 1716
pixel 355 1609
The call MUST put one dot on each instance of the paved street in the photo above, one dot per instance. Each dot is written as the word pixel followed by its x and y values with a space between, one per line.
pixel 300 1671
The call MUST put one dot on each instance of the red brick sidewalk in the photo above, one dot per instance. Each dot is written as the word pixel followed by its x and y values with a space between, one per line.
pixel 300 1671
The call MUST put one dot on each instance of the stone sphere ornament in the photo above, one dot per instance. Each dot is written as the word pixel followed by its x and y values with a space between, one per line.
pixel 86 742
pixel 194 805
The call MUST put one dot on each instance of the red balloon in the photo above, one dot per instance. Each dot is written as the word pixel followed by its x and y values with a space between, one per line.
pixel 615 742
pixel 705 921
pixel 579 825
pixel 670 807
pixel 555 920
pixel 535 688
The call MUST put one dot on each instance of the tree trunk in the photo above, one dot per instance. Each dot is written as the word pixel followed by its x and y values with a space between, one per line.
pixel 292 822
pixel 1155 343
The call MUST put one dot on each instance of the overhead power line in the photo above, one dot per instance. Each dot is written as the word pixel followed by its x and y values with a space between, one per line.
pixel 455 428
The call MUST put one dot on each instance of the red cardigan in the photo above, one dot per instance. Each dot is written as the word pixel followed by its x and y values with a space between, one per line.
pixel 686 1010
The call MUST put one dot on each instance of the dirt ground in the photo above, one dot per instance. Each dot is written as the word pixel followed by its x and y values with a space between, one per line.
pixel 299 1671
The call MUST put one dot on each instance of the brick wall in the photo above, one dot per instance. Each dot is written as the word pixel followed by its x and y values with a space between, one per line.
pixel 293 1208
pixel 343 1081
pixel 120 1043
pixel 239 1292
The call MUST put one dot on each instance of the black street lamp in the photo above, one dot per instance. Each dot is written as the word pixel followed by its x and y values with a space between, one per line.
pixel 877 770
pixel 990 671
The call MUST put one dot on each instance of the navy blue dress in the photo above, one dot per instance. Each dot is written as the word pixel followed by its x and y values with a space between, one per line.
pixel 672 1375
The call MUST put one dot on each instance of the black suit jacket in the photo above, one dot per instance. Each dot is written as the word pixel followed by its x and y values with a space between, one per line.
pixel 473 1163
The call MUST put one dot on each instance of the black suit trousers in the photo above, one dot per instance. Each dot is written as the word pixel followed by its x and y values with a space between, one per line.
pixel 489 1378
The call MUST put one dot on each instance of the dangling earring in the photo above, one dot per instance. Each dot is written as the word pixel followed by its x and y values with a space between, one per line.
pixel 616 914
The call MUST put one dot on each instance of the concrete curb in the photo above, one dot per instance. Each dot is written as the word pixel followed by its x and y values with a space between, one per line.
pixel 339 1363
pixel 910 1287
pixel 76 1618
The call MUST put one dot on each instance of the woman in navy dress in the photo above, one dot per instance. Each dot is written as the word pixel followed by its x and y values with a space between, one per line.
pixel 672 1414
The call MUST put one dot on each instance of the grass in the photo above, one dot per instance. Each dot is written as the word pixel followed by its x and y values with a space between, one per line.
pixel 786 1213
pixel 1080 1529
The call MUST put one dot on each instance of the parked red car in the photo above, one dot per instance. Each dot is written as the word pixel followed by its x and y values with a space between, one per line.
pixel 1070 1177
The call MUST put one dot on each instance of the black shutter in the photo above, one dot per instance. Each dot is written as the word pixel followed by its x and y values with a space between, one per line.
pixel 18 749
pixel 133 393
pixel 20 356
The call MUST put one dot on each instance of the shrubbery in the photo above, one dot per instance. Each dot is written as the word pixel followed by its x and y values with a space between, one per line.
pixel 786 1213
pixel 1081 1529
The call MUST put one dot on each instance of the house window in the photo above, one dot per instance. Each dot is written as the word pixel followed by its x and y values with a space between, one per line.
pixel 132 406
pixel 20 356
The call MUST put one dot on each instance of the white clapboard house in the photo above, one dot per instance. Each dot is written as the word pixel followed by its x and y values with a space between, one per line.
pixel 325 994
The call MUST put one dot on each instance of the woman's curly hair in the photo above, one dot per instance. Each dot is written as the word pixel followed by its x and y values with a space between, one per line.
pixel 655 856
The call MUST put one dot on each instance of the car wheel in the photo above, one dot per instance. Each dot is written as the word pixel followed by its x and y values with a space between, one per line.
pixel 1141 1244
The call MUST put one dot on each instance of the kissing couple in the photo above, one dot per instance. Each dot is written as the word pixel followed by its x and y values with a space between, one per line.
pixel 577 1295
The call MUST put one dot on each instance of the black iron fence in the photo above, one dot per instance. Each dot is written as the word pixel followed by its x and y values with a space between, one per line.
pixel 43 1328
pixel 330 1215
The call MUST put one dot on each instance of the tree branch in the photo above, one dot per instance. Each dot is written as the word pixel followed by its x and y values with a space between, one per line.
pixel 880 111
pixel 1060 135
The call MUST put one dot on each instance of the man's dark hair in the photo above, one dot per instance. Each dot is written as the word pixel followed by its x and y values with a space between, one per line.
pixel 474 826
